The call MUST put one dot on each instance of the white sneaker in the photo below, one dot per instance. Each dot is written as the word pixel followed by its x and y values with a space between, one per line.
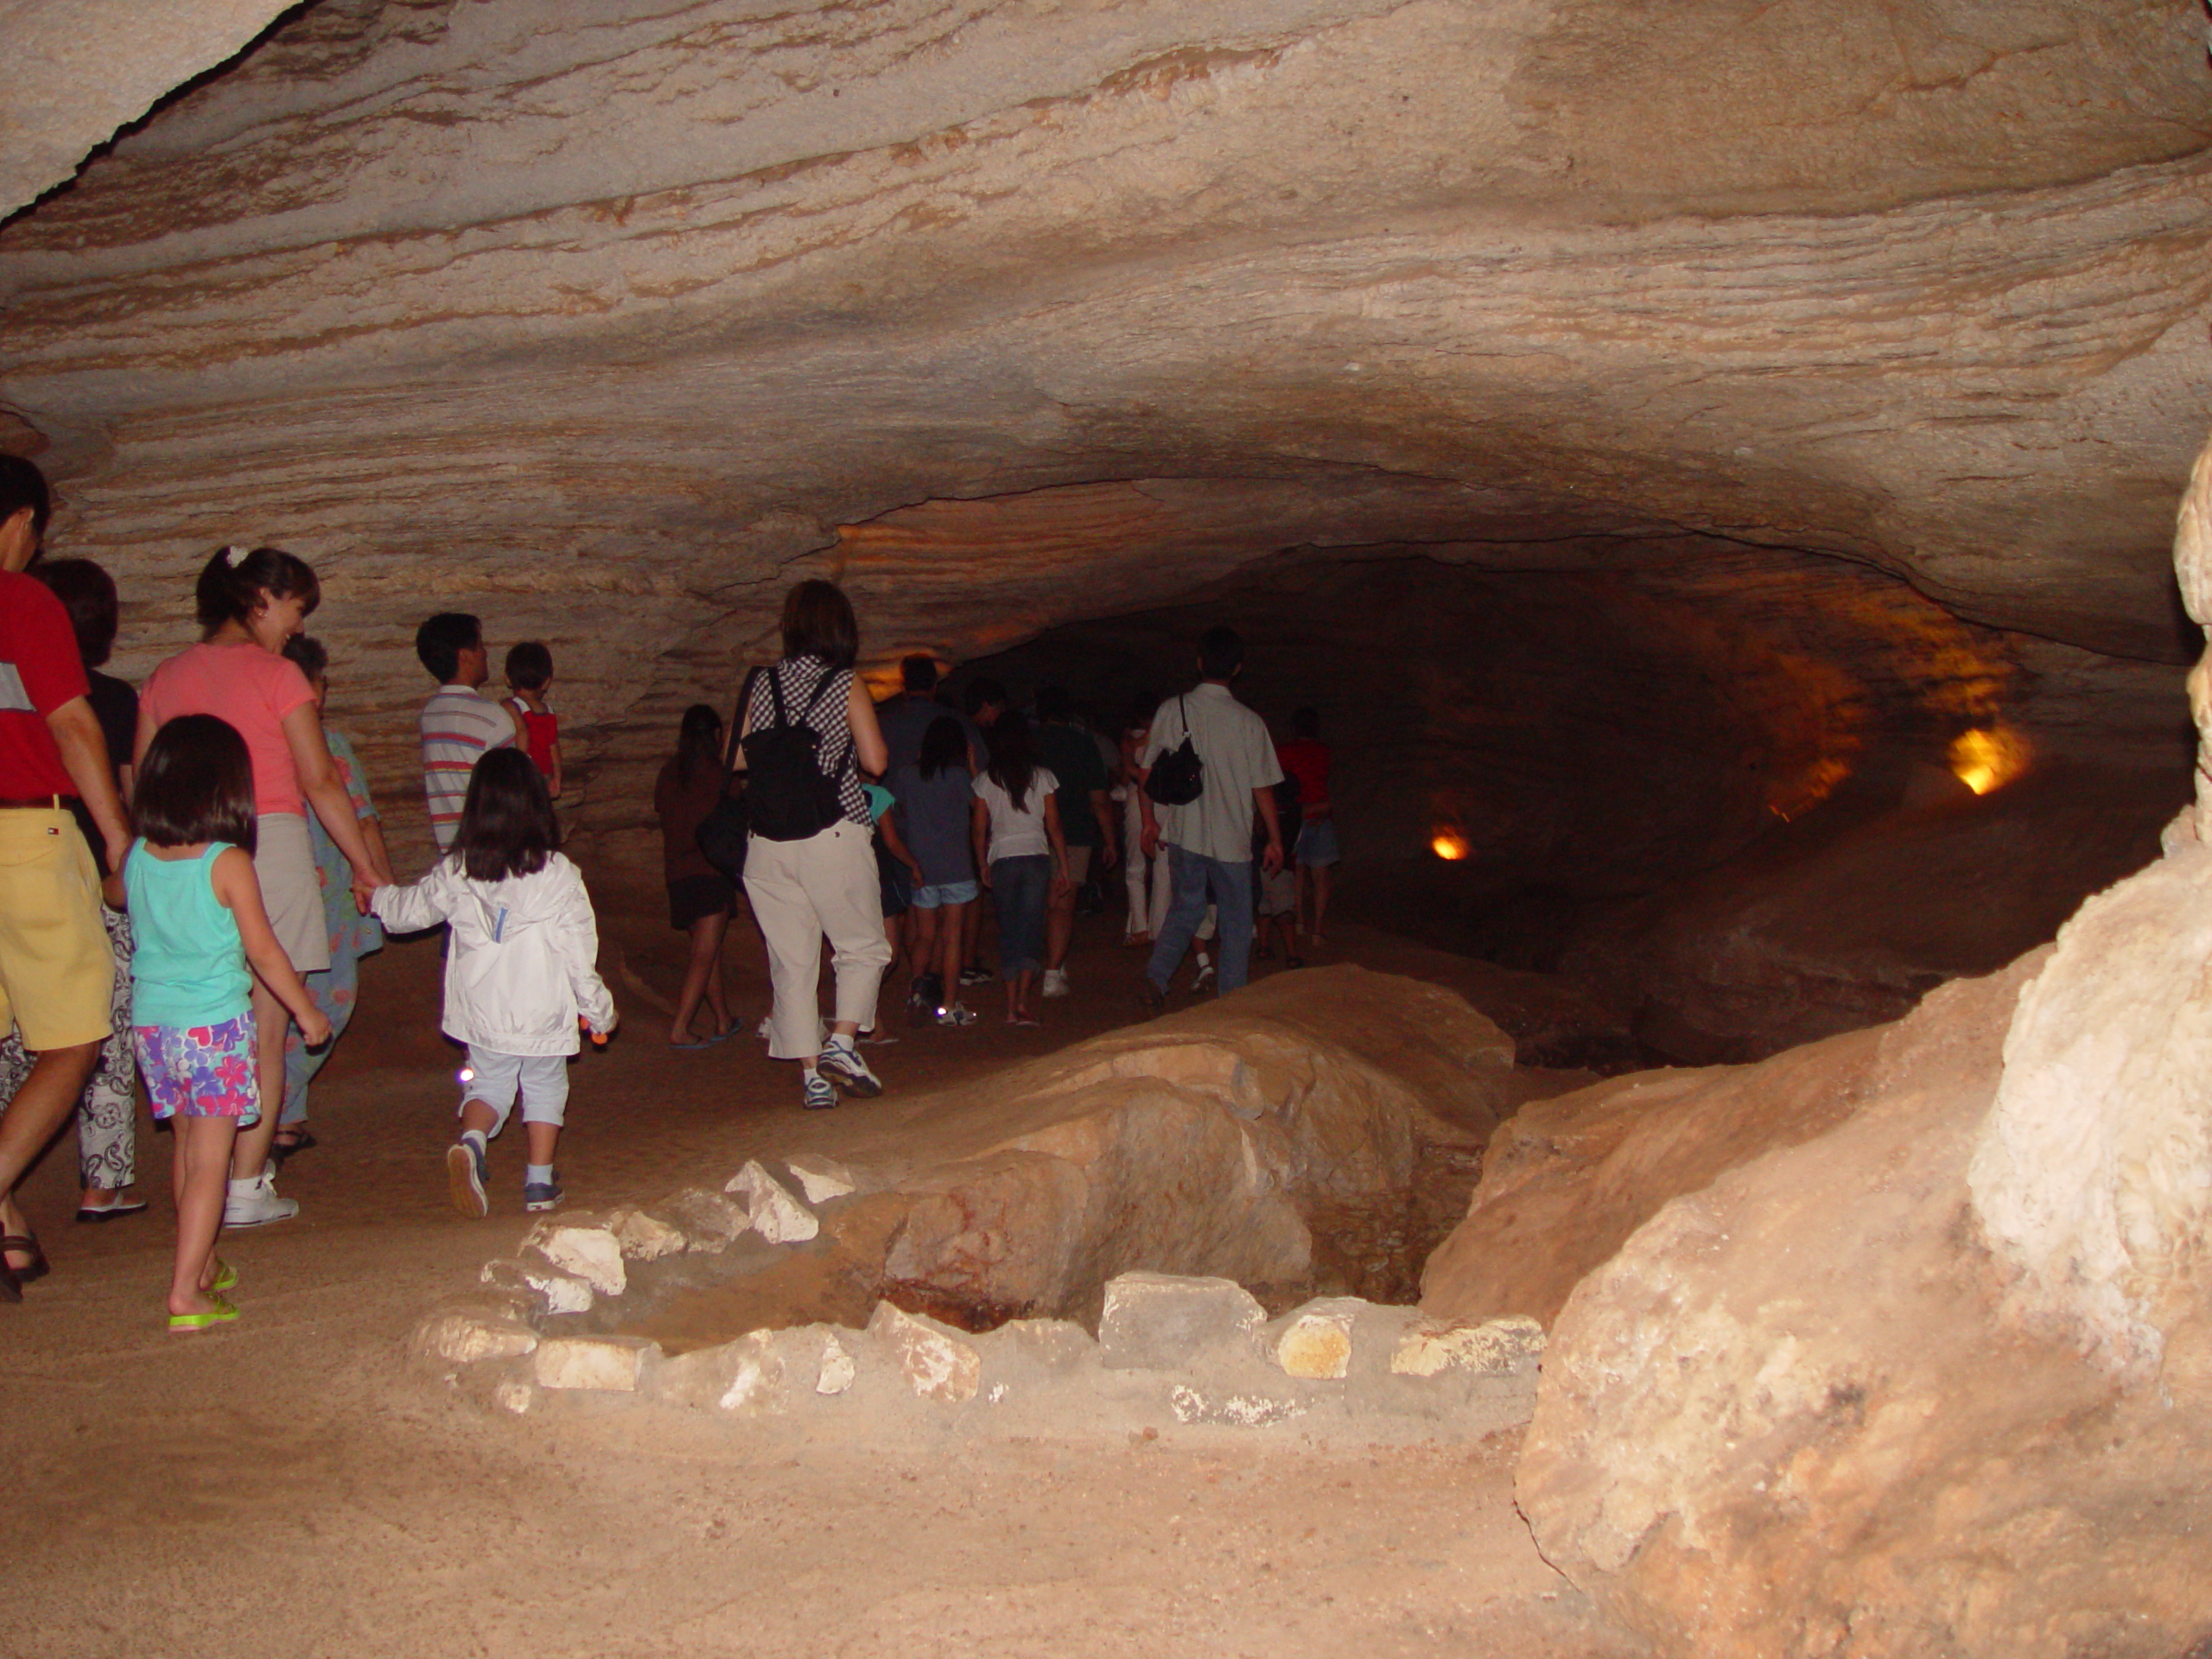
pixel 1055 981
pixel 844 1067
pixel 257 1204
pixel 1205 976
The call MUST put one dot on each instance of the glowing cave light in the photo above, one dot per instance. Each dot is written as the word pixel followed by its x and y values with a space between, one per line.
pixel 466 1074
pixel 1449 845
pixel 1989 758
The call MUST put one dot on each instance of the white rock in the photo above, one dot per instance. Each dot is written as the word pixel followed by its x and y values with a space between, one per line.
pixel 756 1382
pixel 513 1396
pixel 645 1238
pixel 1158 1321
pixel 466 1338
pixel 592 1253
pixel 937 1364
pixel 1315 1341
pixel 562 1293
pixel 607 1364
pixel 774 1213
pixel 821 1178
pixel 1496 1346
pixel 838 1368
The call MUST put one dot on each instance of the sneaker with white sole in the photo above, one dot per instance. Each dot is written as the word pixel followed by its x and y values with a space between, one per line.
pixel 843 1065
pixel 465 1179
pixel 820 1094
pixel 1204 975
pixel 956 1015
pixel 258 1205
pixel 1056 983
pixel 541 1195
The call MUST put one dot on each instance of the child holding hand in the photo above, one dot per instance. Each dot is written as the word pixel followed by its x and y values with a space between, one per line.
pixel 196 905
pixel 521 973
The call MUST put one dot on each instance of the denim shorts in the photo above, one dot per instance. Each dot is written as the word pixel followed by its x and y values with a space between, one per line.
pixel 201 1070
pixel 1317 844
pixel 946 893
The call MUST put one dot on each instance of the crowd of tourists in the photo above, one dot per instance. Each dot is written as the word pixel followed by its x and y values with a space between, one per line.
pixel 191 872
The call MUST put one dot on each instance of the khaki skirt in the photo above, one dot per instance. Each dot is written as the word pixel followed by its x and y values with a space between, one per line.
pixel 290 890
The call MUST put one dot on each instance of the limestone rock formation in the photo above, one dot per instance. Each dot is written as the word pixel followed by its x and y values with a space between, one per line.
pixel 605 320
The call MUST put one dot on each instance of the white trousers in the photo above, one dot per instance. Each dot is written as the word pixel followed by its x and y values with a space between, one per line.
pixel 801 890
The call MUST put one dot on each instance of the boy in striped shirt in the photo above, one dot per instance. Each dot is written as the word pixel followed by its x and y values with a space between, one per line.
pixel 459 721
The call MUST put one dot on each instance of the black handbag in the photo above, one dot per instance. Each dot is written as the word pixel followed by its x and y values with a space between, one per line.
pixel 722 833
pixel 1178 777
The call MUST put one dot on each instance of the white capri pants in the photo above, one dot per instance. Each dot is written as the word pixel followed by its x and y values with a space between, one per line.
pixel 496 1078
pixel 801 890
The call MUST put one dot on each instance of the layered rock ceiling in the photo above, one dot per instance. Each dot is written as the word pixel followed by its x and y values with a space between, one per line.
pixel 605 320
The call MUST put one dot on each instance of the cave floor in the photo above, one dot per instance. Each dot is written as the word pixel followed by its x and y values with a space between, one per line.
pixel 293 1484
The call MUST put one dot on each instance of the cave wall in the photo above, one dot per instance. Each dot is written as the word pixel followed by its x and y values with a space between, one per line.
pixel 607 321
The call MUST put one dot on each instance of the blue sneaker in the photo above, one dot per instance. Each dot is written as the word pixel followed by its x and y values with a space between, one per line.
pixel 541 1195
pixel 465 1179
pixel 821 1093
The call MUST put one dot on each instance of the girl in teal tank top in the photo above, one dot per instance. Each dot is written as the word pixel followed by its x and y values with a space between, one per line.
pixel 195 896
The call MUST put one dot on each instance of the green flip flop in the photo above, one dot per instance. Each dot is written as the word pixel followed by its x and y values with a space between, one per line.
pixel 221 1313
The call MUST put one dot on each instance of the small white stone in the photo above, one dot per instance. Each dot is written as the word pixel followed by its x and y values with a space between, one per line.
pixel 1496 1346
pixel 563 1292
pixel 838 1367
pixel 466 1339
pixel 598 1363
pixel 936 1365
pixel 592 1253
pixel 774 1213
pixel 512 1396
pixel 821 1178
pixel 756 1382
pixel 1315 1341
pixel 646 1239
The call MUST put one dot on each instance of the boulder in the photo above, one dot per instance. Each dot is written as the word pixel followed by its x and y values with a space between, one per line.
pixel 1158 1322
pixel 937 1364
pixel 1797 1412
pixel 604 1364
pixel 773 1212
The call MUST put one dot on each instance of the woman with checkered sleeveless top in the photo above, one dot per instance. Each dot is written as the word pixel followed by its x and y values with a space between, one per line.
pixel 824 882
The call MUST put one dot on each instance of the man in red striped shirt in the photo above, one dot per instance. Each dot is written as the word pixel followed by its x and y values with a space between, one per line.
pixel 459 721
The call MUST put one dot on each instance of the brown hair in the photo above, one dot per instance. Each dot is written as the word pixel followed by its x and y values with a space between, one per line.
pixel 232 581
pixel 87 593
pixel 507 826
pixel 195 783
pixel 819 622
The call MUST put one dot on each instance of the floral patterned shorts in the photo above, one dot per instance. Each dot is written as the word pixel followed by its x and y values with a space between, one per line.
pixel 201 1070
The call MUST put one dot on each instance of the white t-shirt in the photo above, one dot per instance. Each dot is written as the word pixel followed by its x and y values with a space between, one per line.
pixel 1018 835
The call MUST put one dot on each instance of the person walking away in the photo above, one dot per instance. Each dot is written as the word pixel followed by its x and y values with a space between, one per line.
pixel 1314 853
pixel 984 701
pixel 57 974
pixel 1145 878
pixel 336 988
pixel 529 679
pixel 1019 845
pixel 522 974
pixel 1209 839
pixel 701 899
pixel 459 723
pixel 197 900
pixel 936 795
pixel 808 729
pixel 250 602
pixel 1069 751
pixel 107 1111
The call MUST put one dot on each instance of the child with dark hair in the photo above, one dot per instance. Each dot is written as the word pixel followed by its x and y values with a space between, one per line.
pixel 521 972
pixel 196 903
pixel 530 678
pixel 936 795
pixel 1020 847
pixel 459 723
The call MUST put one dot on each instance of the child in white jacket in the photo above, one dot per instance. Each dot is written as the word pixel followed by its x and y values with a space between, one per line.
pixel 520 973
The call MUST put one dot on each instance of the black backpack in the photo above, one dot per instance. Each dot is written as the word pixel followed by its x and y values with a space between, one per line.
pixel 1178 778
pixel 786 797
pixel 721 834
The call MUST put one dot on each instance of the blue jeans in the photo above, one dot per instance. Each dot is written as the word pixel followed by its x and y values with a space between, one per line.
pixel 1019 886
pixel 1194 877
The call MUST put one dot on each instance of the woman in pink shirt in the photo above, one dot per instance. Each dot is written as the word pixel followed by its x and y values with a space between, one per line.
pixel 249 603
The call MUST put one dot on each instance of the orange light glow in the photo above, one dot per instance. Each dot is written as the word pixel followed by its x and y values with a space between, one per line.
pixel 1449 845
pixel 1988 757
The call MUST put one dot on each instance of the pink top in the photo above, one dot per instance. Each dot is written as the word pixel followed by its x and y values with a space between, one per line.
pixel 253 689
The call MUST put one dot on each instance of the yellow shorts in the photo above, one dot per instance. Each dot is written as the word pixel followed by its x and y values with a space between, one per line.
pixel 56 972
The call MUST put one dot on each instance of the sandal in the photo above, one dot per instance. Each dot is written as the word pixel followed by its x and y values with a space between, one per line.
pixel 24 1244
pixel 221 1313
pixel 280 1148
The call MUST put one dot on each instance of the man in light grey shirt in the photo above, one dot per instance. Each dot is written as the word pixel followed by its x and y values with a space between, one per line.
pixel 1209 839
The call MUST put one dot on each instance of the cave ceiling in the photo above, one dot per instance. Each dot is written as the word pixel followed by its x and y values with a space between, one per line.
pixel 605 319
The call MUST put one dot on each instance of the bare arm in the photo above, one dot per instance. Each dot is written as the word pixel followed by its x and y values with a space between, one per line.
pixel 873 753
pixel 1263 799
pixel 239 890
pixel 979 824
pixel 1059 842
pixel 84 755
pixel 553 783
pixel 897 842
pixel 1101 809
pixel 326 793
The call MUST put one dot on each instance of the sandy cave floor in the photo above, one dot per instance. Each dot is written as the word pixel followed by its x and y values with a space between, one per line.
pixel 295 1484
